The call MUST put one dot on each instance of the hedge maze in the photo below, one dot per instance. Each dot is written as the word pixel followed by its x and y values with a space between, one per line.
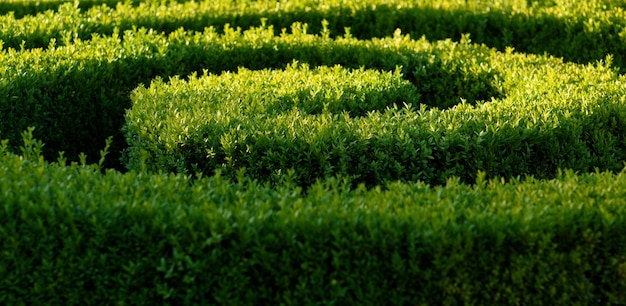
pixel 312 152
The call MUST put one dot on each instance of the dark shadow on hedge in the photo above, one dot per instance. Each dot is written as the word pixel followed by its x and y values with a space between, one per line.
pixel 29 7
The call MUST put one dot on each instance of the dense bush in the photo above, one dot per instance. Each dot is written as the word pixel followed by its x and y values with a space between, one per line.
pixel 71 234
pixel 546 121
pixel 579 31
pixel 76 95
pixel 341 178
pixel 22 8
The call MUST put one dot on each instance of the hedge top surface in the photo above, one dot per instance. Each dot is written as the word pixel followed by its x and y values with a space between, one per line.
pixel 579 31
pixel 539 122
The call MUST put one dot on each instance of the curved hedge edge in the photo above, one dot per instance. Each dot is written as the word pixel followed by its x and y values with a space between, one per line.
pixel 544 122
pixel 49 89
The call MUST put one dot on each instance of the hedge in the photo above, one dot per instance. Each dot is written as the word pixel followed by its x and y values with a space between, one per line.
pixel 75 96
pixel 550 116
pixel 581 32
pixel 73 235
pixel 387 218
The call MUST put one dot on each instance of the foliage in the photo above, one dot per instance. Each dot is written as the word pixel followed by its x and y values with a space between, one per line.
pixel 312 152
pixel 71 234
pixel 75 95
pixel 578 31
pixel 263 121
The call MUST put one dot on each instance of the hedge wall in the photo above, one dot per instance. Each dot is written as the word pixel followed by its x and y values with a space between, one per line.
pixel 72 235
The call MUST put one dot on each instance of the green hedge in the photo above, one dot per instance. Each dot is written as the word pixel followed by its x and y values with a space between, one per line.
pixel 76 234
pixel 582 32
pixel 70 234
pixel 552 116
pixel 22 8
pixel 269 121
pixel 75 96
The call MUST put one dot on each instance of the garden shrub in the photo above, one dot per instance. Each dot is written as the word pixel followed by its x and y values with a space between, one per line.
pixel 551 116
pixel 72 234
pixel 352 164
pixel 581 32
pixel 75 95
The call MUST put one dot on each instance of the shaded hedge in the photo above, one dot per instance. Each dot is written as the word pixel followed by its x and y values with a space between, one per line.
pixel 71 234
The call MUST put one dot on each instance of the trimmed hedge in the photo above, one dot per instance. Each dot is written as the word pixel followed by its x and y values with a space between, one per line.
pixel 71 234
pixel 553 116
pixel 74 233
pixel 582 32
pixel 22 8
pixel 268 114
pixel 75 96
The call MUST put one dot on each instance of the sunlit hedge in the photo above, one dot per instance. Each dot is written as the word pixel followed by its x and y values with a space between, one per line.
pixel 76 95
pixel 312 152
pixel 550 116
pixel 578 31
